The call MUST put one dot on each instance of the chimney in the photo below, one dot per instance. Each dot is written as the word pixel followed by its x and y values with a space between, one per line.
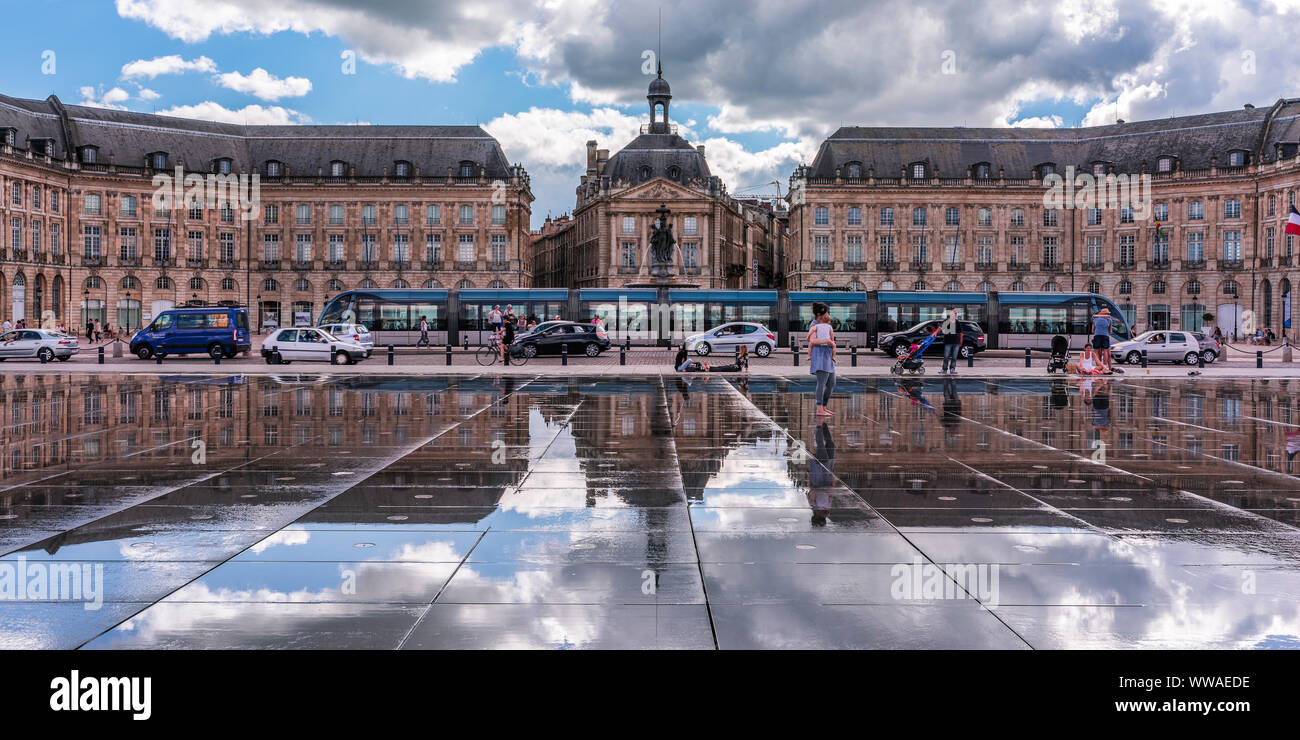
pixel 591 157
pixel 700 148
pixel 1119 120
pixel 602 156
pixel 1248 106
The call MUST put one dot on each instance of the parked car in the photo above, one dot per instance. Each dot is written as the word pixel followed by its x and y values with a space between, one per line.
pixel 757 338
pixel 310 345
pixel 1210 347
pixel 356 332
pixel 43 344
pixel 219 331
pixel 899 343
pixel 1162 345
pixel 586 339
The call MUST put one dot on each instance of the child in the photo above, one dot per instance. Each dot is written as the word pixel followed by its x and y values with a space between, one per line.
pixel 824 331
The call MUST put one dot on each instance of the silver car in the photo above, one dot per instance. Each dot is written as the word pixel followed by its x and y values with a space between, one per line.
pixel 1161 345
pixel 357 333
pixel 310 345
pixel 726 338
pixel 43 344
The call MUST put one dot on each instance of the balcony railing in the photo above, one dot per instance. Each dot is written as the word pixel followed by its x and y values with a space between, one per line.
pixel 919 266
pixel 1017 265
pixel 1094 266
pixel 954 266
pixel 1265 261
pixel 196 262
pixel 368 265
pixel 470 265
pixel 855 265
pixel 1193 264
pixel 399 265
pixel 431 265
pixel 40 258
pixel 1230 264
pixel 986 266
pixel 20 255
pixel 1051 266
pixel 227 264
pixel 823 265
pixel 1158 264
pixel 1284 261
pixel 499 266
pixel 886 266
pixel 164 262
pixel 58 259
pixel 129 261
pixel 627 269
pixel 97 261
pixel 690 269
pixel 336 265
pixel 302 265
pixel 268 264
pixel 1126 265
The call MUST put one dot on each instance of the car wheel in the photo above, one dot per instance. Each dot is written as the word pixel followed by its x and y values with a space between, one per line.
pixel 703 349
pixel 276 359
pixel 763 349
pixel 144 352
pixel 268 359
pixel 1192 358
pixel 900 349
pixel 45 354
pixel 1209 356
pixel 967 351
pixel 216 351
pixel 64 358
pixel 592 349
pixel 1133 358
pixel 530 350
pixel 339 358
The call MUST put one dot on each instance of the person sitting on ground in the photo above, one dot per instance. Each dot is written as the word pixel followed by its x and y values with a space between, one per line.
pixel 1089 363
pixel 684 364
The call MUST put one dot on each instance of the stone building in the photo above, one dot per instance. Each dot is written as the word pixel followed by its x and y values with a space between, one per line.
pixel 963 209
pixel 721 242
pixel 338 208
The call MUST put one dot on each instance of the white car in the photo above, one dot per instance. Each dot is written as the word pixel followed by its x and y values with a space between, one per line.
pixel 727 337
pixel 310 345
pixel 356 332
pixel 43 344
pixel 1161 345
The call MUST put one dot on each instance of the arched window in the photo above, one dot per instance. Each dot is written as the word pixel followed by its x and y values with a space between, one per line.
pixel 1158 287
pixel 985 287
pixel 855 285
pixel 367 283
pixel 93 282
pixel 982 171
pixel 1052 287
pixel 1093 287
pixel 130 283
pixel 918 285
pixel 952 285
pixel 1018 286
pixel 400 283
pixel 334 286
pixel 1193 287
pixel 497 284
pixel 887 285
pixel 302 284
pixel 1046 168
pixel 432 284
pixel 401 168
pixel 1230 287
pixel 1125 287
pixel 645 172
pixel 227 283
pixel 918 170
pixel 467 168
pixel 465 284
pixel 674 173
pixel 338 168
pixel 163 283
pixel 1165 164
pixel 853 171
pixel 270 286
pixel 196 283
pixel 273 168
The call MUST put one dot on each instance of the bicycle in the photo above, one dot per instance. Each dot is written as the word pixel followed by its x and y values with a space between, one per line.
pixel 489 354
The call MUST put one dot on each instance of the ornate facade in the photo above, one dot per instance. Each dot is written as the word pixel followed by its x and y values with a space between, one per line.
pixel 963 209
pixel 339 208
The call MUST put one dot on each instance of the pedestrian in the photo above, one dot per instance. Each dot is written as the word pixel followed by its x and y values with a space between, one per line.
pixel 508 317
pixel 6 326
pixel 90 331
pixel 494 318
pixel 951 329
pixel 821 357
pixel 507 333
pixel 1102 326
pixel 99 333
pixel 424 333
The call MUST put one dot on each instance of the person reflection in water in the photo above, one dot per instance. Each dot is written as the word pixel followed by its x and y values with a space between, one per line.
pixel 1292 449
pixel 821 474
pixel 951 412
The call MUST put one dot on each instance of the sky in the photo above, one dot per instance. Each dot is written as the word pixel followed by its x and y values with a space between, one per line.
pixel 761 83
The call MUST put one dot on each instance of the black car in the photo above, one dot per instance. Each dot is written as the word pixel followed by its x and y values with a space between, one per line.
pixel 899 343
pixel 581 339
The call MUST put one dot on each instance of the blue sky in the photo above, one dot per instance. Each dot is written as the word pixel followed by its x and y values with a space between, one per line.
pixel 760 84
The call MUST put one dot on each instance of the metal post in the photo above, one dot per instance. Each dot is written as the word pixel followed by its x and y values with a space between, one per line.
pixel 157 358
pixel 794 352
pixel 1028 359
pixel 101 355
pixel 564 354
pixel 622 355
pixel 390 354
pixel 1200 360
pixel 448 354
pixel 1144 358
pixel 853 354
pixel 970 359
pixel 44 360
pixel 1259 359
pixel 217 358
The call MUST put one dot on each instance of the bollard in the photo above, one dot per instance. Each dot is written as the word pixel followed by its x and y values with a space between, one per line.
pixel 564 354
pixel 853 354
pixel 157 358
pixel 1286 350
pixel 44 360
pixel 101 355
pixel 1259 359
pixel 1144 358
pixel 1028 360
pixel 622 355
pixel 627 342
pixel 1200 360
pixel 970 359
pixel 794 351
pixel 390 354
pixel 448 354
pixel 217 358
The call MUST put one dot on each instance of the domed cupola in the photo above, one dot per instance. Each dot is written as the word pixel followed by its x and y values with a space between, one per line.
pixel 659 96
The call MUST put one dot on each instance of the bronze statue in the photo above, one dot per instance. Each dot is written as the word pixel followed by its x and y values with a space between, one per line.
pixel 661 238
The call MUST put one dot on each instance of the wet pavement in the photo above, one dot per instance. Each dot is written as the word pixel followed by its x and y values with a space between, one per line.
pixel 483 511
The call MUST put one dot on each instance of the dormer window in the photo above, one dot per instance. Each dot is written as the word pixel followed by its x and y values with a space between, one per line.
pixel 158 160
pixel 337 168
pixel 674 173
pixel 11 136
pixel 645 172
pixel 982 171
pixel 402 169
pixel 89 154
pixel 854 170
pixel 1165 164
pixel 918 170
pixel 1045 169
pixel 1098 169
pixel 273 169
pixel 467 169
pixel 1237 158
pixel 222 165
pixel 42 146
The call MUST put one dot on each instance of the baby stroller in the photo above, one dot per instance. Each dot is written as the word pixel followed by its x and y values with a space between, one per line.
pixel 913 362
pixel 1060 354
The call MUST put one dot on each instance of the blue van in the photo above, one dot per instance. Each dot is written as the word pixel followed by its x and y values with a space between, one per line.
pixel 215 330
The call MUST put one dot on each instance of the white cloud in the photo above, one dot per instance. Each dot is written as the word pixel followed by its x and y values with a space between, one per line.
pixel 545 137
pixel 111 99
pixel 262 84
pixel 147 94
pixel 168 65
pixel 1039 122
pixel 249 114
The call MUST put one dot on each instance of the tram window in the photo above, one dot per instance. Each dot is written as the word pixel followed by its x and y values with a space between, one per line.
pixel 1080 318
pixel 470 317
pixel 432 313
pixel 688 318
pixel 757 314
pixel 393 317
pixel 367 313
pixel 1019 320
pixel 1051 320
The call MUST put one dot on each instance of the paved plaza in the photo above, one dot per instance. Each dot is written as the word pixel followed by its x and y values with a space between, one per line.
pixel 489 510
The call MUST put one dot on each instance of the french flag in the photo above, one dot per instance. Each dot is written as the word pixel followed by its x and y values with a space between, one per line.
pixel 1293 223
